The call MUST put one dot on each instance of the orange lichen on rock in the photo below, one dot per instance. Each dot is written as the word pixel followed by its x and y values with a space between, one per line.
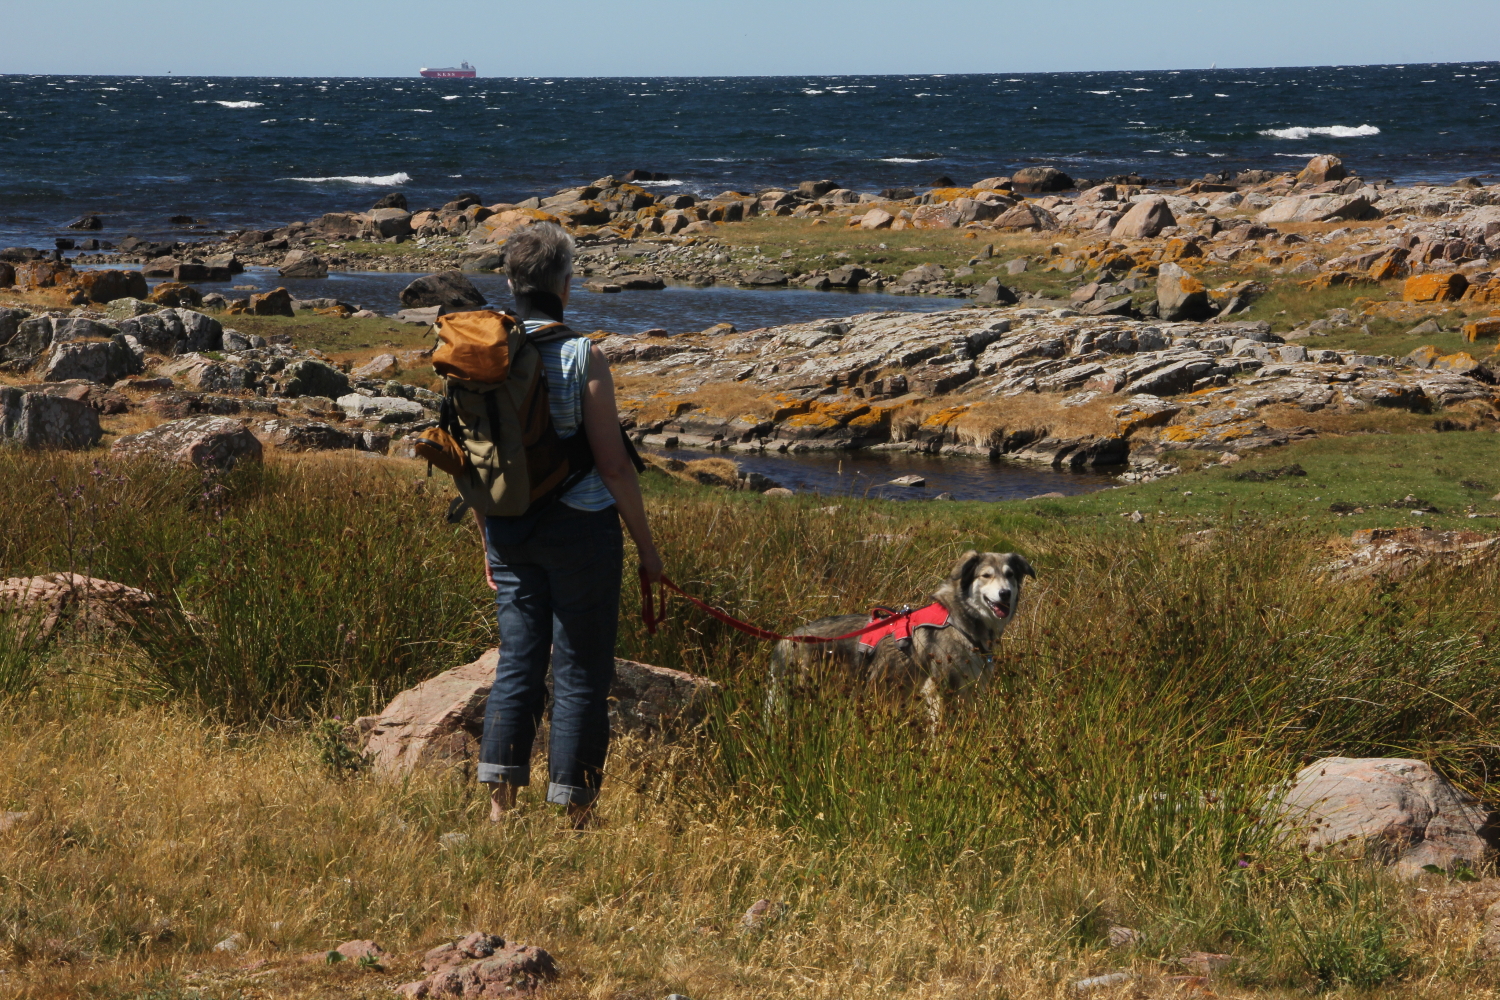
pixel 1435 287
pixel 1482 329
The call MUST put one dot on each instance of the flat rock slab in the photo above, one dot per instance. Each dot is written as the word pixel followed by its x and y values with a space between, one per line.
pixel 88 600
pixel 1396 552
pixel 1400 811
pixel 439 721
pixel 212 442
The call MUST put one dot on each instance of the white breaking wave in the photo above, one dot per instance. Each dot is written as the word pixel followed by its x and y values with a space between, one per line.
pixel 239 104
pixel 1335 131
pixel 900 159
pixel 387 180
pixel 654 183
pixel 452 97
pixel 1100 91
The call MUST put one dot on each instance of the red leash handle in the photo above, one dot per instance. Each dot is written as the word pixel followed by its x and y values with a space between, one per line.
pixel 652 620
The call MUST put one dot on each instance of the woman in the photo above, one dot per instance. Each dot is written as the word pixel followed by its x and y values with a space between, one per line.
pixel 556 571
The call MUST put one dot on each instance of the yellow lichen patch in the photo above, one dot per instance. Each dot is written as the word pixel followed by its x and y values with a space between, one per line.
pixel 1180 249
pixel 945 416
pixel 951 194
pixel 1482 329
pixel 1487 294
pixel 1435 287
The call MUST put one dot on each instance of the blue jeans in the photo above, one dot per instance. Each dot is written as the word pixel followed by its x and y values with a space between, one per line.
pixel 558 574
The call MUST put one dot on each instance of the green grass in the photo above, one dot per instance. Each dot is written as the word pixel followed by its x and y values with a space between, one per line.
pixel 333 335
pixel 1452 471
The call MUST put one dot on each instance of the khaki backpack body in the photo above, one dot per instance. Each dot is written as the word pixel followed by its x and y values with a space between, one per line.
pixel 495 434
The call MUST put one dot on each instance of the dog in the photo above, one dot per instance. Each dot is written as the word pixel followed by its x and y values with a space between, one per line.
pixel 944 649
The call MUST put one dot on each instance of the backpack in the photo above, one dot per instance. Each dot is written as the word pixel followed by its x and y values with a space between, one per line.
pixel 495 435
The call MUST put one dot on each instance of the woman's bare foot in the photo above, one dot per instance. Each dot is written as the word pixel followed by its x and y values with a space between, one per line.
pixel 502 799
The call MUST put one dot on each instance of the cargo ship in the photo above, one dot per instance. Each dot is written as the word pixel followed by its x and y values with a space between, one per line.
pixel 461 72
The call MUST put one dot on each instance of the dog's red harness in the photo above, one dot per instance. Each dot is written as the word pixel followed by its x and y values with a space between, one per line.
pixel 899 626
pixel 883 621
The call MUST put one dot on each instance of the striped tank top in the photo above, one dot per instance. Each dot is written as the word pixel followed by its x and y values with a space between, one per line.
pixel 567 364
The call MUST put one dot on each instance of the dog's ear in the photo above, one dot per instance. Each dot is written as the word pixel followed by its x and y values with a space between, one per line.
pixel 1019 565
pixel 963 570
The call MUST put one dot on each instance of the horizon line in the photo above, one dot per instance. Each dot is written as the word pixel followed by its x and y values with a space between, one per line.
pixel 416 74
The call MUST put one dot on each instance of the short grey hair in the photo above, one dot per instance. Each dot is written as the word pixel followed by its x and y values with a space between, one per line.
pixel 539 258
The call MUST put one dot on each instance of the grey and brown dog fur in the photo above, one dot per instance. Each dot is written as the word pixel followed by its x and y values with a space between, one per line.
pixel 981 595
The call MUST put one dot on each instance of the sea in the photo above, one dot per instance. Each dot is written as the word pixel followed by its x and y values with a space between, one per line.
pixel 256 152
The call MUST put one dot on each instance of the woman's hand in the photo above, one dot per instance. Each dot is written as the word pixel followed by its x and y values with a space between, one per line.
pixel 489 574
pixel 651 564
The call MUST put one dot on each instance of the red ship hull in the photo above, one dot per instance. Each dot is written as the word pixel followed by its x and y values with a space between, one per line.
pixel 449 74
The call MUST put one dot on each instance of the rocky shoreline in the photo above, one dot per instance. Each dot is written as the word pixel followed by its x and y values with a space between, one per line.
pixel 1142 360
pixel 634 239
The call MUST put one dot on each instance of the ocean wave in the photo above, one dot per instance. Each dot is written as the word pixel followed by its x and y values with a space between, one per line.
pixel 905 159
pixel 1297 156
pixel 452 97
pixel 655 183
pixel 1099 92
pixel 385 180
pixel 237 104
pixel 1335 131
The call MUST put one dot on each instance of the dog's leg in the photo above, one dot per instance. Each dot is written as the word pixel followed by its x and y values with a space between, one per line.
pixel 932 697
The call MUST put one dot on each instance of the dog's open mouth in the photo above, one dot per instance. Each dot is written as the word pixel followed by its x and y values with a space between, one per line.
pixel 1000 610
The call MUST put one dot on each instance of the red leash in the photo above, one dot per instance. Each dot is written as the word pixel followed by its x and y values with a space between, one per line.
pixel 652 620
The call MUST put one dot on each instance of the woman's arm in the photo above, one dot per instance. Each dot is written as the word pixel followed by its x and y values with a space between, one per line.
pixel 601 421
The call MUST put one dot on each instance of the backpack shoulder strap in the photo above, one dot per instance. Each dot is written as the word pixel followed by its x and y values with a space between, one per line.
pixel 552 333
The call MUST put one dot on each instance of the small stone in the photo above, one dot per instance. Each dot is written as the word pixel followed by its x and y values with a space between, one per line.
pixel 234 942
pixel 1122 937
pixel 910 480
pixel 778 491
pixel 1100 982
pixel 13 818
pixel 454 838
pixel 759 912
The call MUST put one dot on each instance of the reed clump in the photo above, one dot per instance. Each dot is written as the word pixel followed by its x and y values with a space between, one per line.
pixel 1148 702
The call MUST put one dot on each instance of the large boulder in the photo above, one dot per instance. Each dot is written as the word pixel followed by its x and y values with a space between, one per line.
pixel 31 338
pixel 1319 208
pixel 384 223
pixel 10 323
pixel 1180 296
pixel 1146 218
pixel 1027 215
pixel 276 302
pixel 302 264
pixel 386 409
pixel 439 721
pixel 313 378
pixel 102 361
pixel 1038 180
pixel 445 288
pixel 341 225
pixel 482 965
pixel 1322 169
pixel 393 200
pixel 46 602
pixel 1400 811
pixel 106 285
pixel 211 442
pixel 39 420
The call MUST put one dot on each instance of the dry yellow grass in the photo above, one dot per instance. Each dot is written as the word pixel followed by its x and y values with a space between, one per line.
pixel 153 834
pixel 724 399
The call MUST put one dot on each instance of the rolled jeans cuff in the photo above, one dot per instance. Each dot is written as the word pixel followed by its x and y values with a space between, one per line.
pixel 570 795
pixel 503 774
